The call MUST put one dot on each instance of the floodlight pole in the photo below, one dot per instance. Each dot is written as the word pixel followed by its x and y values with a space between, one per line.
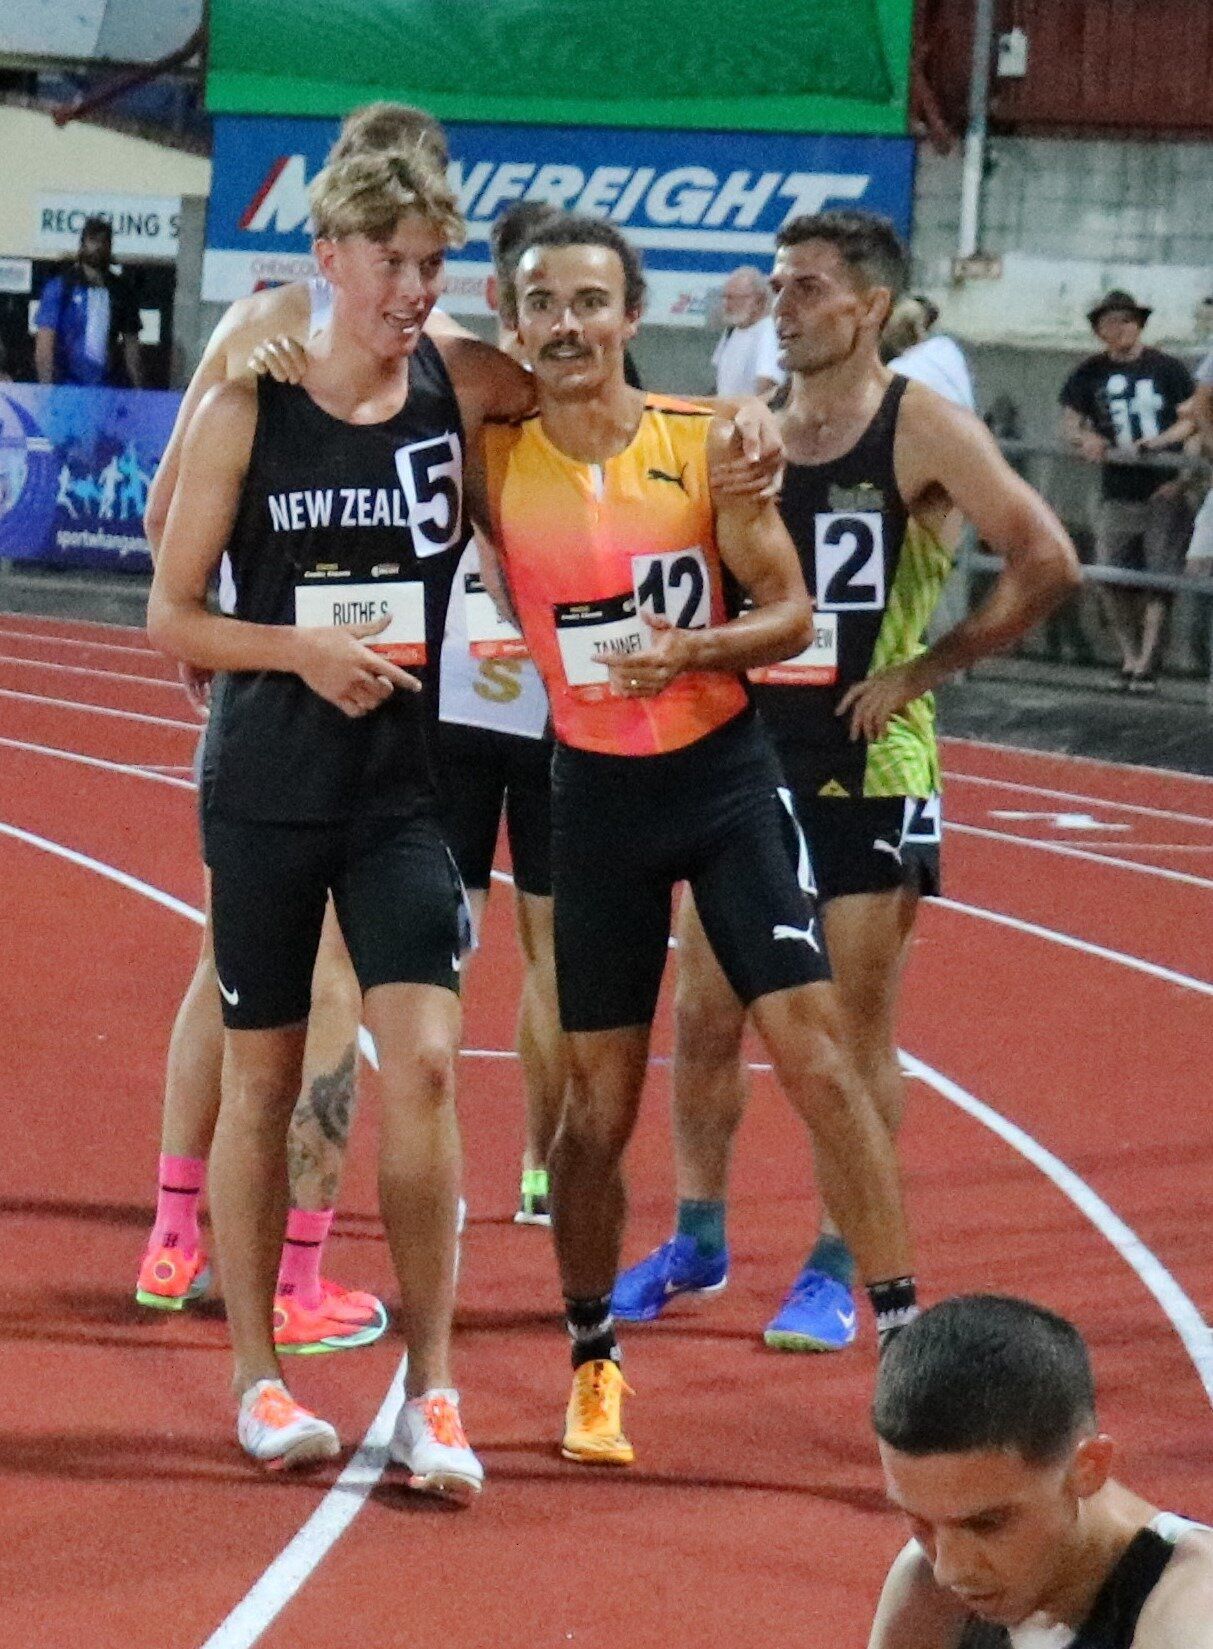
pixel 972 176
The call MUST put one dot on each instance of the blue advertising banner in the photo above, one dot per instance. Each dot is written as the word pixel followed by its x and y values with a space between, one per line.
pixel 75 467
pixel 696 203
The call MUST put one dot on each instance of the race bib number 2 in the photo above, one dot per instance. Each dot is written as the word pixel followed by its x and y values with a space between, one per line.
pixel 319 607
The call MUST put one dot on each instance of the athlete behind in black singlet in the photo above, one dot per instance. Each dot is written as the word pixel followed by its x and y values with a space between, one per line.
pixel 493 758
pixel 985 1415
pixel 339 502
pixel 880 472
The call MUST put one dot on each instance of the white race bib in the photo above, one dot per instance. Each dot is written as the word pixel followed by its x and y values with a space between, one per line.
pixel 591 633
pixel 816 666
pixel 849 548
pixel 321 606
pixel 489 635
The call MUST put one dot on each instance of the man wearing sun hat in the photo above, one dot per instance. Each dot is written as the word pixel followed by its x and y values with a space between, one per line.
pixel 1120 406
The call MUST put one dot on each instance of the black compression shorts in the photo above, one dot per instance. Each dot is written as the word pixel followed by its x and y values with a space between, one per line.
pixel 479 772
pixel 627 829
pixel 396 892
pixel 872 844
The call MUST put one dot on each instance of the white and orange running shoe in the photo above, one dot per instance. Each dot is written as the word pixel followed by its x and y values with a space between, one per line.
pixel 429 1442
pixel 280 1433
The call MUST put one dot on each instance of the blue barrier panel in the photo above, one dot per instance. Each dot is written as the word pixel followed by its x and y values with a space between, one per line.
pixel 75 467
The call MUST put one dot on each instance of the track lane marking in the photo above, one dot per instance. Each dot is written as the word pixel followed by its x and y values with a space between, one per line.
pixel 100 710
pixel 1086 761
pixel 1068 852
pixel 287 1574
pixel 134 772
pixel 98 675
pixel 955 777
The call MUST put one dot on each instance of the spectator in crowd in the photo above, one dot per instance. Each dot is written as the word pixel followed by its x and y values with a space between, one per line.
pixel 746 359
pixel 88 318
pixel 1200 411
pixel 1119 406
pixel 910 348
pixel 6 376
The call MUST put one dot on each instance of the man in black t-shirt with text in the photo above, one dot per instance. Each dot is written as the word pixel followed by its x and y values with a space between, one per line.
pixel 1119 406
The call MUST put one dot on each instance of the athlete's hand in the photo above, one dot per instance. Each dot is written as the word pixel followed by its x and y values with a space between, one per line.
pixel 282 359
pixel 643 675
pixel 752 463
pixel 337 665
pixel 197 684
pixel 872 703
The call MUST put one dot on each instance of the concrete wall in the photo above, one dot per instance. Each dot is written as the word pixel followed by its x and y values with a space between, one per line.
pixel 1071 218
pixel 42 158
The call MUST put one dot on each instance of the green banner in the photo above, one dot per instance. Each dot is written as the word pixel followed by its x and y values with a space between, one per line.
pixel 777 65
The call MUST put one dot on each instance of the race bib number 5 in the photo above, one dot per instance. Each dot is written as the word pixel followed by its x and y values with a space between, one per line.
pixel 403 642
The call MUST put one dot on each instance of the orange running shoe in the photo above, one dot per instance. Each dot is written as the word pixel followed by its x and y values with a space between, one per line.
pixel 169 1278
pixel 345 1319
pixel 278 1432
pixel 593 1430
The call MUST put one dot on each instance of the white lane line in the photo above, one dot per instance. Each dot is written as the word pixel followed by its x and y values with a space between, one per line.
pixel 85 670
pixel 97 761
pixel 1150 847
pixel 299 1559
pixel 954 777
pixel 43 637
pixel 1139 965
pixel 1186 1320
pixel 100 710
pixel 301 1556
pixel 110 872
pixel 1085 761
pixel 1079 853
pixel 31 619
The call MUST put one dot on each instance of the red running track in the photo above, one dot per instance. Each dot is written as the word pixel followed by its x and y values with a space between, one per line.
pixel 1066 984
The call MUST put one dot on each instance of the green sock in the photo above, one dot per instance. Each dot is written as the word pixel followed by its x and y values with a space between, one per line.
pixel 704 1221
pixel 832 1257
pixel 534 1182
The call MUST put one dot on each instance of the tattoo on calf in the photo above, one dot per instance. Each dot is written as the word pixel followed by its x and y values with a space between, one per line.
pixel 331 1099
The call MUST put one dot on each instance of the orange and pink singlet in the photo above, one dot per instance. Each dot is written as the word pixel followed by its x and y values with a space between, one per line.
pixel 590 549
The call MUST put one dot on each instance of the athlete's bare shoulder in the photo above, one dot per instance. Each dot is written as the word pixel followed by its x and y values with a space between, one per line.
pixel 438 324
pixel 226 417
pixel 913 1612
pixel 1178 1613
pixel 280 312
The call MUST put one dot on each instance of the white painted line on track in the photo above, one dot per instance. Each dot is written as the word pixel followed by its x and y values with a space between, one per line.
pixel 341 1504
pixel 100 710
pixel 78 624
pixel 45 636
pixel 1186 1320
pixel 292 1568
pixel 97 761
pixel 98 675
pixel 1069 852
pixel 1138 963
pixel 1069 756
pixel 1150 847
pixel 110 872
pixel 954 777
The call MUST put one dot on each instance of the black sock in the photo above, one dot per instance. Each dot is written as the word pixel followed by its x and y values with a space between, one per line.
pixel 895 1302
pixel 592 1330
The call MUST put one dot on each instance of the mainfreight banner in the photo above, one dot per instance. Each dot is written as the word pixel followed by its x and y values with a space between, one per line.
pixel 697 204
pixel 75 467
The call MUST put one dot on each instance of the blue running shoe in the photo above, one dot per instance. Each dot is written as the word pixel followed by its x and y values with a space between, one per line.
pixel 818 1315
pixel 643 1291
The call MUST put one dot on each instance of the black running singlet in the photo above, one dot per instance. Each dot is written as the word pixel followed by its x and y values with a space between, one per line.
pixel 337 523
pixel 875 576
pixel 1117 1607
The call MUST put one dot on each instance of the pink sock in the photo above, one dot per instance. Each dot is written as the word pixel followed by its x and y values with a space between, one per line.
pixel 177 1203
pixel 299 1269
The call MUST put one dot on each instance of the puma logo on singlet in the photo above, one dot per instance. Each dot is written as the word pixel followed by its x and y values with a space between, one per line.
pixel 675 480
pixel 783 931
